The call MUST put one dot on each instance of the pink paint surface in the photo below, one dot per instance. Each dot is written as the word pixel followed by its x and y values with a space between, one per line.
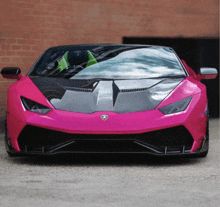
pixel 193 118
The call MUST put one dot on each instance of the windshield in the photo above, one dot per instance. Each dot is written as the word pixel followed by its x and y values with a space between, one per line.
pixel 108 62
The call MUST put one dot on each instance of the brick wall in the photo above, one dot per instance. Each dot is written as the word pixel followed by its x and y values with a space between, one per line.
pixel 28 27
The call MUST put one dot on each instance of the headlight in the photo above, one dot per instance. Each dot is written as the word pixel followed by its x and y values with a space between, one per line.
pixel 34 107
pixel 176 106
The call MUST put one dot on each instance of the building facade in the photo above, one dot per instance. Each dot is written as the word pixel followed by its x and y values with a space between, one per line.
pixel 28 27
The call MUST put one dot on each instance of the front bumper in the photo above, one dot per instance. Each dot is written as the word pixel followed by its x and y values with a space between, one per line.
pixel 83 129
pixel 170 141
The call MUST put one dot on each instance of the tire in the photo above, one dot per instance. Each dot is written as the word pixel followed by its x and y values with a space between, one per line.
pixel 205 153
pixel 7 146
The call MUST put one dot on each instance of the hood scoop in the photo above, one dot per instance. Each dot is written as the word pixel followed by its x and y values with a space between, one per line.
pixel 120 96
pixel 79 89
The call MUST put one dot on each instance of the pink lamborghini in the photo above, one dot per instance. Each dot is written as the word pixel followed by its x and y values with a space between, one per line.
pixel 107 98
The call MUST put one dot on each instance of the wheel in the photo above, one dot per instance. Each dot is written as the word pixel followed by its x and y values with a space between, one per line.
pixel 206 144
pixel 7 145
pixel 204 154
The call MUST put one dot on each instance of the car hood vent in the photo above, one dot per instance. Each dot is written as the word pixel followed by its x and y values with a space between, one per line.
pixel 120 96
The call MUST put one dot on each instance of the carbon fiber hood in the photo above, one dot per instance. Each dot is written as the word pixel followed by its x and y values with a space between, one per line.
pixel 120 96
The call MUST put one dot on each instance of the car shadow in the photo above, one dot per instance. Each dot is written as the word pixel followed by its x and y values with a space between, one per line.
pixel 104 160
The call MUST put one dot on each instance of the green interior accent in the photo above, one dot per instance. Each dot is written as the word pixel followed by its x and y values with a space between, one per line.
pixel 63 62
pixel 92 60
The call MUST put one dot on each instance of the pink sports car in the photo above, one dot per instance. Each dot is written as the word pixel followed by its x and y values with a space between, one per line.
pixel 108 98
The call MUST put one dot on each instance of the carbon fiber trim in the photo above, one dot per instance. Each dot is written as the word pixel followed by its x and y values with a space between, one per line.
pixel 120 96
pixel 166 141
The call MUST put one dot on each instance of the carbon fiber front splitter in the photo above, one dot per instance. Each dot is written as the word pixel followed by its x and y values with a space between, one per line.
pixel 131 146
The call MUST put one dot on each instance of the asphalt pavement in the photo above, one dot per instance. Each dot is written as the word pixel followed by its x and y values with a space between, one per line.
pixel 111 180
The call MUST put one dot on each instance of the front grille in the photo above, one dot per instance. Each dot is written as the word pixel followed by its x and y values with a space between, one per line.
pixel 171 138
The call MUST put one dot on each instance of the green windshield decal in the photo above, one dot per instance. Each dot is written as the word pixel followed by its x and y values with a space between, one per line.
pixel 92 60
pixel 63 63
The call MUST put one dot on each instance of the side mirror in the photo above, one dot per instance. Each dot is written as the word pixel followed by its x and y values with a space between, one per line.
pixel 11 73
pixel 207 73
